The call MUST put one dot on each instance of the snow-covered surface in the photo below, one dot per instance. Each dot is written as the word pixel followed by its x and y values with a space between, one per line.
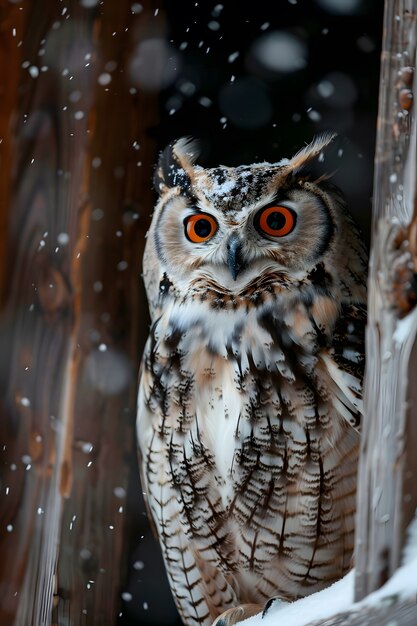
pixel 410 549
pixel 339 597
pixel 406 328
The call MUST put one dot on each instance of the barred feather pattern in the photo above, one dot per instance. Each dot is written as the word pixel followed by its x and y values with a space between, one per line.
pixel 249 407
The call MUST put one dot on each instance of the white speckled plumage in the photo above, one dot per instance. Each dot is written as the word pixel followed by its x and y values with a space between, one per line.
pixel 250 389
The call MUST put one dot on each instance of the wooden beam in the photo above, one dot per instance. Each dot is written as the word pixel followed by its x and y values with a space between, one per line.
pixel 12 25
pixel 73 319
pixel 387 493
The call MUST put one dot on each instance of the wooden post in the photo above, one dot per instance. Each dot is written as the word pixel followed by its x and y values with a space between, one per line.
pixel 72 319
pixel 12 23
pixel 387 493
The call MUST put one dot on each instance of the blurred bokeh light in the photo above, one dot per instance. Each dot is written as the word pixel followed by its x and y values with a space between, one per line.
pixel 154 65
pixel 279 51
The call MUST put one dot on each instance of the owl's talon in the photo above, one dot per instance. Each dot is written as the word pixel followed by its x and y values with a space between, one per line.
pixel 272 601
pixel 267 606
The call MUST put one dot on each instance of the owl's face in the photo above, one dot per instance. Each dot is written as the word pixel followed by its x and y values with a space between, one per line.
pixel 227 227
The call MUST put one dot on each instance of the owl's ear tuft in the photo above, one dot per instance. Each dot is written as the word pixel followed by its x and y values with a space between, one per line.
pixel 175 165
pixel 316 161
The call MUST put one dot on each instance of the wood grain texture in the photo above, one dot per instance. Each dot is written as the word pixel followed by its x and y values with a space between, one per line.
pixel 387 499
pixel 12 23
pixel 72 318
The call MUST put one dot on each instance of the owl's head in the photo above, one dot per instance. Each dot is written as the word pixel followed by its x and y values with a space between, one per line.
pixel 229 228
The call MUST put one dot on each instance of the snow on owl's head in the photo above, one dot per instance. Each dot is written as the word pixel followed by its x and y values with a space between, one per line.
pixel 228 227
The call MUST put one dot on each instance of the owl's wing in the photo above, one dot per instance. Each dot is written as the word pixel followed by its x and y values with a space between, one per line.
pixel 344 362
pixel 143 480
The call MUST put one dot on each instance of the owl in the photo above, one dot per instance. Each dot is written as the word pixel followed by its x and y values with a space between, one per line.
pixel 250 388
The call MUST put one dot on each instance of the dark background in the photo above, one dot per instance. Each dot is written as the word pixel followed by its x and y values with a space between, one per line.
pixel 256 81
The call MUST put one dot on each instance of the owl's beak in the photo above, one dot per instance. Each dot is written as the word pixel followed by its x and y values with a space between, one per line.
pixel 234 255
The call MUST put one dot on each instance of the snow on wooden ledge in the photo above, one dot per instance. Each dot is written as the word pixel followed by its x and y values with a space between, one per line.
pixel 394 604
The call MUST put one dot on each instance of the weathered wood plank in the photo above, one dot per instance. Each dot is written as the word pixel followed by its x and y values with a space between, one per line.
pixel 72 317
pixel 118 194
pixel 12 21
pixel 387 497
pixel 37 319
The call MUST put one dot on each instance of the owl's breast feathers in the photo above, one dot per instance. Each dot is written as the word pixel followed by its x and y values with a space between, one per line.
pixel 247 432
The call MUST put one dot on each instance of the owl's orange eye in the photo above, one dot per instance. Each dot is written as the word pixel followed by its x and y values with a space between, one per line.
pixel 275 221
pixel 200 227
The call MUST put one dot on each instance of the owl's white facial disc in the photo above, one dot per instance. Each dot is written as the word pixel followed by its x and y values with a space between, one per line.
pixel 228 229
pixel 232 241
